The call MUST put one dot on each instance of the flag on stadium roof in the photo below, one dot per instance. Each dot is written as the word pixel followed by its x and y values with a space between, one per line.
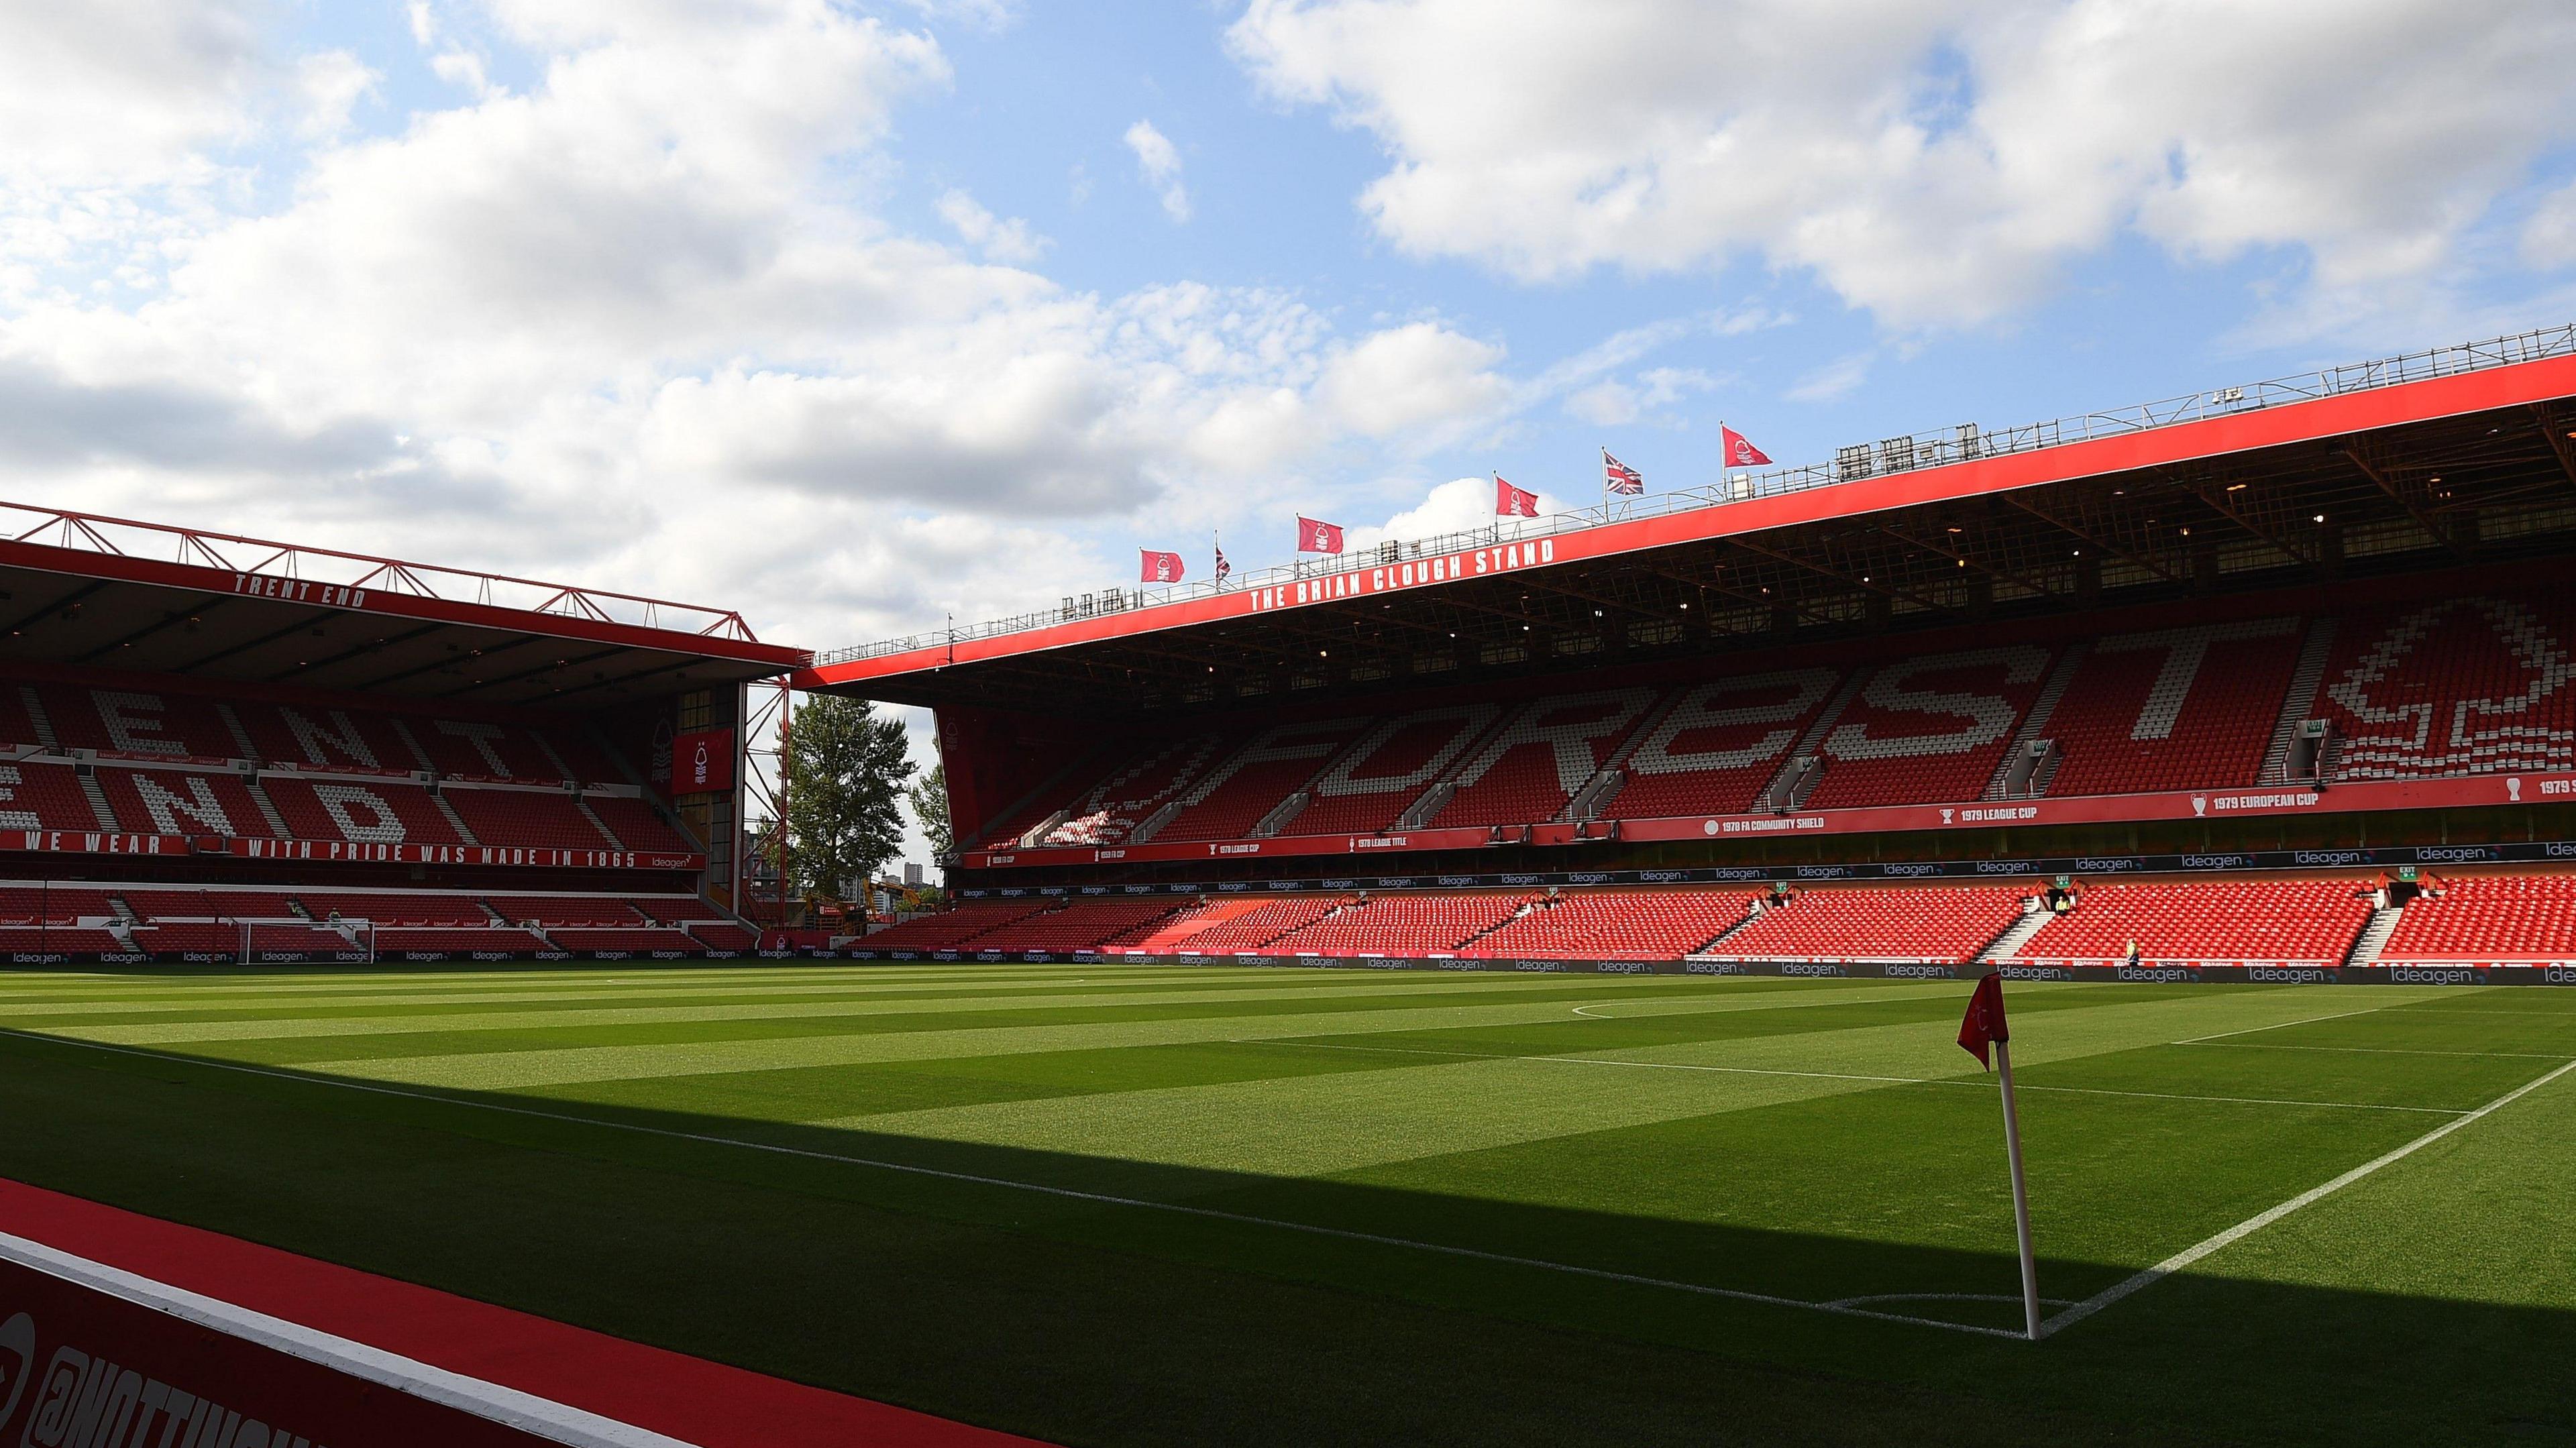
pixel 1314 537
pixel 1511 502
pixel 1984 1023
pixel 1222 567
pixel 1618 477
pixel 1160 567
pixel 1738 452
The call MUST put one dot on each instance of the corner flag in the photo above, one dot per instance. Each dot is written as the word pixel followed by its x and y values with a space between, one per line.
pixel 1984 1022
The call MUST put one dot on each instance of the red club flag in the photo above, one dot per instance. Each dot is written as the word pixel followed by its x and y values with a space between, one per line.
pixel 1511 502
pixel 1618 477
pixel 1160 567
pixel 1984 1023
pixel 1739 453
pixel 1314 537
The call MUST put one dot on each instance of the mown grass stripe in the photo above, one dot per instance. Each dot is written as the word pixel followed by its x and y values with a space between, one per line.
pixel 2129 1286
pixel 1839 1308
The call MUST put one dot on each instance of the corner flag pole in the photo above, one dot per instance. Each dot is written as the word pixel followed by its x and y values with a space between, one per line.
pixel 1981 1030
pixel 2021 1194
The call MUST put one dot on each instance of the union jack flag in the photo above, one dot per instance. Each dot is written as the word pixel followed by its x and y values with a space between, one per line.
pixel 1618 477
pixel 1222 567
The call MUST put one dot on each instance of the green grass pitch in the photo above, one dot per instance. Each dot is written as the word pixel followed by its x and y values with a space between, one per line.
pixel 1130 1205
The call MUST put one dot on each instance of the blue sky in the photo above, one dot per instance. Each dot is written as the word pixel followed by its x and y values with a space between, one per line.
pixel 851 314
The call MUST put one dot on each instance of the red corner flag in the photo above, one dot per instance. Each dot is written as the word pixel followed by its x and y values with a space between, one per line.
pixel 1738 452
pixel 1511 502
pixel 1984 1022
pixel 1160 567
pixel 1314 537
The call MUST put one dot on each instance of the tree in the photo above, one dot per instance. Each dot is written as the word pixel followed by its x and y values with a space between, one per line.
pixel 929 794
pixel 845 769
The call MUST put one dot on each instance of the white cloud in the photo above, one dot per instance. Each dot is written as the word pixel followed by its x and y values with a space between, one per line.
pixel 332 83
pixel 1420 379
pixel 122 92
pixel 1159 162
pixel 1938 163
pixel 2549 236
pixel 1838 378
pixel 630 323
pixel 462 69
pixel 997 239
pixel 1614 402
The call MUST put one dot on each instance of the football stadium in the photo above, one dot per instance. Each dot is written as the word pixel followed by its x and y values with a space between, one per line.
pixel 1503 987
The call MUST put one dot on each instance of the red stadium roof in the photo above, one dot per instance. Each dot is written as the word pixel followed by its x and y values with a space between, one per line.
pixel 81 589
pixel 2433 458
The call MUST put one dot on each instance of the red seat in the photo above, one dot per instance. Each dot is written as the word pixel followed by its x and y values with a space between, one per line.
pixel 1946 925
pixel 2189 708
pixel 2488 918
pixel 2310 922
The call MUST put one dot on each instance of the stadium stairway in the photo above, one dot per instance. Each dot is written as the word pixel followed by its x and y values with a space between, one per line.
pixel 2374 936
pixel 2016 935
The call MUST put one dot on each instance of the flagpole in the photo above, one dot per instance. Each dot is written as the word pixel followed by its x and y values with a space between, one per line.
pixel 2021 1194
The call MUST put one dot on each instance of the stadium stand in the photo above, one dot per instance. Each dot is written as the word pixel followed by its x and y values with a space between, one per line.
pixel 1532 768
pixel 1947 926
pixel 2302 922
pixel 1230 800
pixel 1719 743
pixel 951 929
pixel 2172 709
pixel 2133 711
pixel 1079 925
pixel 45 796
pixel 367 810
pixel 2487 918
pixel 2465 685
pixel 137 724
pixel 547 818
pixel 634 822
pixel 1372 784
pixel 182 802
pixel 1617 925
pixel 215 744
pixel 46 904
pixel 1418 925
pixel 1929 728
pixel 1238 925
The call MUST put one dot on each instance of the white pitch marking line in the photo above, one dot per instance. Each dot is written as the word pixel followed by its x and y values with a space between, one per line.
pixel 2385 1051
pixel 2013 1298
pixel 1103 1198
pixel 1586 1013
pixel 2285 1025
pixel 1842 1076
pixel 540 1417
pixel 2189 1255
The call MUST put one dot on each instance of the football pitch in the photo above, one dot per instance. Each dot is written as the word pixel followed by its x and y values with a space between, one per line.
pixel 1133 1205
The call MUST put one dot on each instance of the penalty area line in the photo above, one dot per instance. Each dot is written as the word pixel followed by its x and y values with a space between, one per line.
pixel 2191 1254
pixel 1603 1274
